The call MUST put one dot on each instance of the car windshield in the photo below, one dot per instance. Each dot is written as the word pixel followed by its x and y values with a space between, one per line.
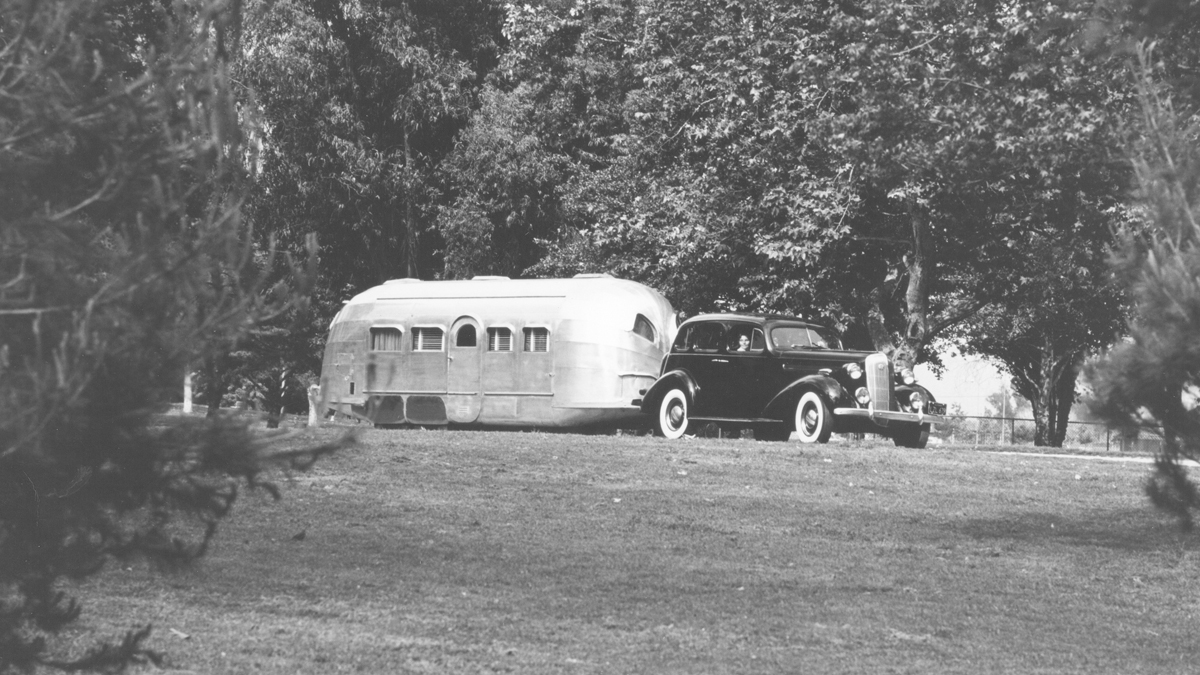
pixel 796 338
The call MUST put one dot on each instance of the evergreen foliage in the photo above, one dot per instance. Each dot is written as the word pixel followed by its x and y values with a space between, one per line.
pixel 123 260
pixel 1152 378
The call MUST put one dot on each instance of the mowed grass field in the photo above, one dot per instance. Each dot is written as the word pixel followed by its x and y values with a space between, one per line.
pixel 481 552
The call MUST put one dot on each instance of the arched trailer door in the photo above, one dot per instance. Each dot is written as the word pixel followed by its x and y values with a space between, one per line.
pixel 464 371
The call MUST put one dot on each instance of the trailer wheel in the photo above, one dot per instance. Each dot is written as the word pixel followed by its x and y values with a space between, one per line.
pixel 672 419
pixel 814 422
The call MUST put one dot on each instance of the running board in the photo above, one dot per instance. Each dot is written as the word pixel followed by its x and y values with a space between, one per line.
pixel 736 420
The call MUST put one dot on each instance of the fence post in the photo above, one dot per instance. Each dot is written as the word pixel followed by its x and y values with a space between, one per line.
pixel 187 393
pixel 315 411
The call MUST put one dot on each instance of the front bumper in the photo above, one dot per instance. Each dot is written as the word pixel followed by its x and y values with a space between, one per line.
pixel 885 417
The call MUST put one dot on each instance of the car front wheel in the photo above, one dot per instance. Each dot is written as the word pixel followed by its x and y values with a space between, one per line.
pixel 814 422
pixel 673 414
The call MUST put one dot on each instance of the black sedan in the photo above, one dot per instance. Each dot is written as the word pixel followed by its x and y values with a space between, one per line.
pixel 776 375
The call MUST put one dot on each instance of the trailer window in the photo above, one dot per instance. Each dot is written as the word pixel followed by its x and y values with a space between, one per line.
pixel 499 339
pixel 537 339
pixel 466 336
pixel 643 327
pixel 427 339
pixel 386 339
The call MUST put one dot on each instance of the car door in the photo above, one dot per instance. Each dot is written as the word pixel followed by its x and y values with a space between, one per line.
pixel 744 395
pixel 702 356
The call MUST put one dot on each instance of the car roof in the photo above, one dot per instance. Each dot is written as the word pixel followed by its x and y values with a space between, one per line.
pixel 758 319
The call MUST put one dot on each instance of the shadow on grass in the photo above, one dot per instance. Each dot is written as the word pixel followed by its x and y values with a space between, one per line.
pixel 1131 529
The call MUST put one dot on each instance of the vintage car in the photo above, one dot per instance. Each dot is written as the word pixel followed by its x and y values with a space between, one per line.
pixel 779 374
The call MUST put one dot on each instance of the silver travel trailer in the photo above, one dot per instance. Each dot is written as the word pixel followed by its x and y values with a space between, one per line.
pixel 498 352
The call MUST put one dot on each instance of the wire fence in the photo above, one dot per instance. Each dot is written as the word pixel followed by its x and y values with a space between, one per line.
pixel 1090 436
pixel 956 430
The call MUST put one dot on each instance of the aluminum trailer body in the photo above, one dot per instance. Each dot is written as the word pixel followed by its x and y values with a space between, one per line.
pixel 497 352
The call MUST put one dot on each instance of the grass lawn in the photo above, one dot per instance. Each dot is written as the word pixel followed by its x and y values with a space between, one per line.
pixel 480 552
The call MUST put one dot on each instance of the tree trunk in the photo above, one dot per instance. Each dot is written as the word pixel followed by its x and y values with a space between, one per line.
pixel 274 391
pixel 1047 381
pixel 904 346
pixel 214 388
pixel 409 249
pixel 881 336
pixel 1066 398
pixel 920 263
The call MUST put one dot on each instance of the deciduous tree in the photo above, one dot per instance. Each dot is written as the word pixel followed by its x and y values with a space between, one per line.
pixel 1062 306
pixel 361 103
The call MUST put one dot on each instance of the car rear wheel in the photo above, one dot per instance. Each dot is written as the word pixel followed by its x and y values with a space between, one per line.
pixel 814 422
pixel 672 419
pixel 914 437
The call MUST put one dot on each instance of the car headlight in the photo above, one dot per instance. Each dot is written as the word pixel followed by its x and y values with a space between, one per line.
pixel 907 376
pixel 916 401
pixel 854 371
pixel 862 396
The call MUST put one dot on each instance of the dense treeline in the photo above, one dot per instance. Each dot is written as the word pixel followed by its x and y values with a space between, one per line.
pixel 909 173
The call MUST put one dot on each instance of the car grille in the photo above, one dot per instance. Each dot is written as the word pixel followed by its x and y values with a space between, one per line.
pixel 879 381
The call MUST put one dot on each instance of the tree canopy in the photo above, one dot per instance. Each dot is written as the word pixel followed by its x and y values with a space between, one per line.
pixel 892 169
pixel 360 106
pixel 895 169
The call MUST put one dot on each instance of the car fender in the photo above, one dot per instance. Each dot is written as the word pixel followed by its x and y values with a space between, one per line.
pixel 783 405
pixel 903 391
pixel 669 380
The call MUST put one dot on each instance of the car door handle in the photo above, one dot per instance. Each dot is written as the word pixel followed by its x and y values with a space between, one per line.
pixel 720 361
pixel 792 366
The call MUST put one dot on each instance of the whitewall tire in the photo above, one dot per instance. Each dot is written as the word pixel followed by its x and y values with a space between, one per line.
pixel 672 419
pixel 814 422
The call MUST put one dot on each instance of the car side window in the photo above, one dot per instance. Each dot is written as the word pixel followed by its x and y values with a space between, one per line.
pixel 706 337
pixel 682 340
pixel 744 339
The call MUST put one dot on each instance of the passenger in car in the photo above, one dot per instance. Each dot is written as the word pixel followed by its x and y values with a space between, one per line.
pixel 743 343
